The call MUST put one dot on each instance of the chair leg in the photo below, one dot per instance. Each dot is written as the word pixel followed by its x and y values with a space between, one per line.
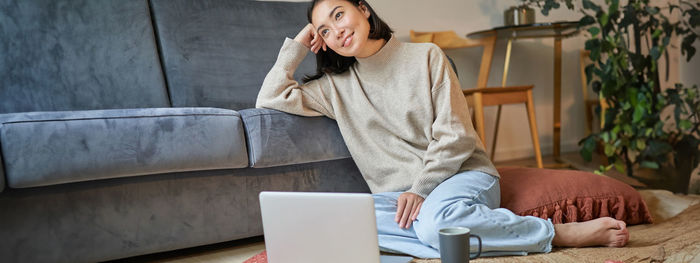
pixel 589 117
pixel 495 132
pixel 472 112
pixel 533 128
pixel 479 117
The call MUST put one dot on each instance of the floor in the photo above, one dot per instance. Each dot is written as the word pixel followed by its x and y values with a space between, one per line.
pixel 240 250
pixel 229 252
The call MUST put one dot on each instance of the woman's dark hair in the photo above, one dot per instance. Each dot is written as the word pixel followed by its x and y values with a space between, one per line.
pixel 330 62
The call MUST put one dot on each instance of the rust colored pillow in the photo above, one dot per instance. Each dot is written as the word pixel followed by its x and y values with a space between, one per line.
pixel 570 196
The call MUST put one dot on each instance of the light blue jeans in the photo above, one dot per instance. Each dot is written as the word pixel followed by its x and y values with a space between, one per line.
pixel 468 199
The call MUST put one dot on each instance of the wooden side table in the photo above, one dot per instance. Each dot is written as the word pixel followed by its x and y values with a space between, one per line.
pixel 558 31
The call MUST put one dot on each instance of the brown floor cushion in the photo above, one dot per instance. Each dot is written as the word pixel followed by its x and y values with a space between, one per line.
pixel 570 196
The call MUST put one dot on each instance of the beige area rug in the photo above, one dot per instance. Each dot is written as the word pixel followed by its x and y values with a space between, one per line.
pixel 674 237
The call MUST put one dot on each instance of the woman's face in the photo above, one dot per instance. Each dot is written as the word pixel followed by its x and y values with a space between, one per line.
pixel 343 27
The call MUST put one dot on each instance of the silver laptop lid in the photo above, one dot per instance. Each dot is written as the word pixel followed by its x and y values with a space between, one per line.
pixel 319 227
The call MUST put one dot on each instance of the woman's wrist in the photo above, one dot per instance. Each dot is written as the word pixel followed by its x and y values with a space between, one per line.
pixel 299 39
pixel 291 55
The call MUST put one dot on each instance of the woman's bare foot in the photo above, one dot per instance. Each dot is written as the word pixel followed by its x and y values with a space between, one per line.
pixel 604 231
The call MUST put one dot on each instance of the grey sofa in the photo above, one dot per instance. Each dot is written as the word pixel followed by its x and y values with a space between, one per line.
pixel 127 127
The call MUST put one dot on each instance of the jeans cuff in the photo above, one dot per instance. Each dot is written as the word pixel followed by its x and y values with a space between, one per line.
pixel 547 243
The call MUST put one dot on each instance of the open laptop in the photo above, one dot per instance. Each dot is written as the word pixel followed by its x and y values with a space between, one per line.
pixel 321 228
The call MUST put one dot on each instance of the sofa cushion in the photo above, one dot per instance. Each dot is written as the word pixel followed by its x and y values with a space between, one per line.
pixel 45 148
pixel 276 138
pixel 59 55
pixel 216 53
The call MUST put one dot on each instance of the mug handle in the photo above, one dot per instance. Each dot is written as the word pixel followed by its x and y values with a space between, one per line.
pixel 478 253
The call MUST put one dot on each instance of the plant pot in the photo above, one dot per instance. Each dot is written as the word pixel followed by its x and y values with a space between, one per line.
pixel 677 174
pixel 519 15
pixel 694 183
pixel 679 178
pixel 685 160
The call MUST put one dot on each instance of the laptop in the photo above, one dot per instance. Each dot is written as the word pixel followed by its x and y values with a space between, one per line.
pixel 321 228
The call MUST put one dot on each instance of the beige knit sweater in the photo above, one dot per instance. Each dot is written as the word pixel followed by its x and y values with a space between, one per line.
pixel 400 111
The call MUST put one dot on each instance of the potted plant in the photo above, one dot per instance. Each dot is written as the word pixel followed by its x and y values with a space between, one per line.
pixel 645 125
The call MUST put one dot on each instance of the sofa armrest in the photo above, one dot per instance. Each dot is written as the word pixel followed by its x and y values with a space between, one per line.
pixel 276 138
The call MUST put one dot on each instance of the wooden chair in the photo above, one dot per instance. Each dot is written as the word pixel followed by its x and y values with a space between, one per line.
pixel 483 96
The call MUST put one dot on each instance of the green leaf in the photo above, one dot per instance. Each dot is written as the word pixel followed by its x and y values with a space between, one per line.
pixel 589 74
pixel 588 4
pixel 657 33
pixel 655 53
pixel 615 4
pixel 687 48
pixel 629 17
pixel 626 105
pixel 652 10
pixel 593 45
pixel 594 31
pixel 603 19
pixel 605 136
pixel 609 118
pixel 692 92
pixel 685 124
pixel 609 150
pixel 548 5
pixel 671 7
pixel 641 145
pixel 659 147
pixel 649 164
pixel 587 148
pixel 616 129
pixel 585 21
pixel 619 166
pixel 569 4
pixel 691 99
pixel 632 96
pixel 638 62
pixel 694 20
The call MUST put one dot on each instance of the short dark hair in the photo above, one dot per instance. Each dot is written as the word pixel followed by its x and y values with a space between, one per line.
pixel 330 62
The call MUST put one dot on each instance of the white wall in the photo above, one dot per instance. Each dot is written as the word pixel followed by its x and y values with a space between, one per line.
pixel 689 70
pixel 531 63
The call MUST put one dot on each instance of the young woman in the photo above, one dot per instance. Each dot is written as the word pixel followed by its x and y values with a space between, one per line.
pixel 404 119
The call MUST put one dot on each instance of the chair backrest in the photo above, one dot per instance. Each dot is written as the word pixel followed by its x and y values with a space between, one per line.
pixel 450 40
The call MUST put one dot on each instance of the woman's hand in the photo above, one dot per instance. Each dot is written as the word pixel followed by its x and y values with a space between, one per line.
pixel 310 39
pixel 408 207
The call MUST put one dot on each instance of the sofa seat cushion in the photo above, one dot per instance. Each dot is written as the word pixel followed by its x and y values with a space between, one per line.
pixel 46 148
pixel 276 138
